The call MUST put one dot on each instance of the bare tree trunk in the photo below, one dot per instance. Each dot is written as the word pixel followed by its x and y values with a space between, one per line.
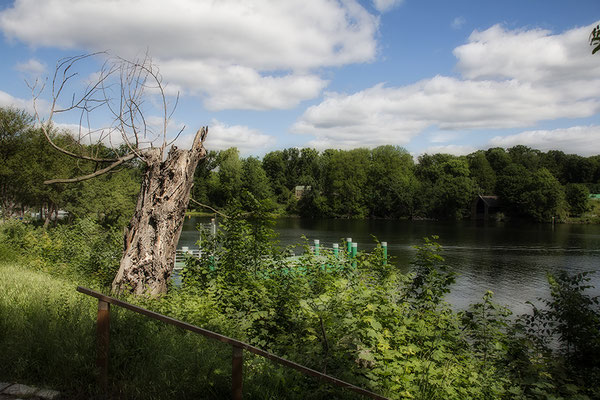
pixel 153 232
pixel 48 215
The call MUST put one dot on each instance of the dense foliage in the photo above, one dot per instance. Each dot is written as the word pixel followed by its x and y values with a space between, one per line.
pixel 385 182
pixel 357 319
pixel 27 160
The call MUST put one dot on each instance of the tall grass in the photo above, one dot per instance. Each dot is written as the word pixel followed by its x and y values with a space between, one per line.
pixel 47 339
pixel 46 331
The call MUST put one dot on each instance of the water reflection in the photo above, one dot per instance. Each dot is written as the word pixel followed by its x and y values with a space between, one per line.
pixel 512 260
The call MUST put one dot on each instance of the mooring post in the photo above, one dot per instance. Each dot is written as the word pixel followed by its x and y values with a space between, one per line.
pixel 237 377
pixel 354 251
pixel 349 246
pixel 336 250
pixel 103 343
pixel 384 247
pixel 317 243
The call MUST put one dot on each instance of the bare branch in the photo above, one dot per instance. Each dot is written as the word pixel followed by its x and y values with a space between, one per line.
pixel 118 88
pixel 94 174
pixel 176 136
pixel 209 207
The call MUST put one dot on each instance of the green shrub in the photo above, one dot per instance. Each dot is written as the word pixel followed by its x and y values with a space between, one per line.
pixel 83 249
pixel 358 319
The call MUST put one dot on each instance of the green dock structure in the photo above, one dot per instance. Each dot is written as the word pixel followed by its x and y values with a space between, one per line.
pixel 351 250
pixel 182 254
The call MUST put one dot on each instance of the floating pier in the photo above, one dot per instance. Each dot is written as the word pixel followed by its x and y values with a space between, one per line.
pixel 351 250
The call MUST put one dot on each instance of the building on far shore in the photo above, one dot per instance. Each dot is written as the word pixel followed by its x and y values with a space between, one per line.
pixel 484 206
pixel 299 191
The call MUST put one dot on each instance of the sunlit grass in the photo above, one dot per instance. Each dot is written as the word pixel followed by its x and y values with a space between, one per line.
pixel 46 330
pixel 47 339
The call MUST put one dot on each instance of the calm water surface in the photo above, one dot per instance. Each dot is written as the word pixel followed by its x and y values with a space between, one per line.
pixel 510 259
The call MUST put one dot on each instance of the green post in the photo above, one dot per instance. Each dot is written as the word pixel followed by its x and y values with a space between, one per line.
pixel 353 254
pixel 349 246
pixel 317 247
pixel 336 250
pixel 384 246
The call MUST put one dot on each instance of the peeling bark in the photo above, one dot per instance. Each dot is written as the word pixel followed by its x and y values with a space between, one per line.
pixel 151 237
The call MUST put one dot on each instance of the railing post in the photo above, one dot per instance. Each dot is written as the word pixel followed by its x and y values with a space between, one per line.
pixel 236 372
pixel 103 343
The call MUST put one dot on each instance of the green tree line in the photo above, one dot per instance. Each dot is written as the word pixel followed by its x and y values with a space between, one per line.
pixel 386 182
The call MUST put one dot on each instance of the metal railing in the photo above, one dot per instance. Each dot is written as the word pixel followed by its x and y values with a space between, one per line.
pixel 182 254
pixel 238 347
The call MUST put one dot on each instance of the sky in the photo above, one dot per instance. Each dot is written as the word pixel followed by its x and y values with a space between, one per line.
pixel 429 76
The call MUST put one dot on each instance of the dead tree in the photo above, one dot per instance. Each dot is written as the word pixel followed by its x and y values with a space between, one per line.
pixel 118 99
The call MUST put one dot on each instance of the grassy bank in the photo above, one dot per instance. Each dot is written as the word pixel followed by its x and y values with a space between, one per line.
pixel 47 338
pixel 358 319
pixel 46 331
pixel 591 216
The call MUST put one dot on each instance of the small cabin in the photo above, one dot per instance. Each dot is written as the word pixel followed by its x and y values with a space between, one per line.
pixel 299 191
pixel 484 206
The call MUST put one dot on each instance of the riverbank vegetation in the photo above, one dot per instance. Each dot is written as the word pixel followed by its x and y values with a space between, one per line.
pixel 360 320
pixel 384 182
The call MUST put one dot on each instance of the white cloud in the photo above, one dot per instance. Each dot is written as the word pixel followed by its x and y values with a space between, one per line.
pixel 458 22
pixel 222 136
pixel 110 133
pixel 509 81
pixel 535 56
pixel 583 140
pixel 386 5
pixel 32 67
pixel 454 149
pixel 8 100
pixel 91 136
pixel 263 49
pixel 239 87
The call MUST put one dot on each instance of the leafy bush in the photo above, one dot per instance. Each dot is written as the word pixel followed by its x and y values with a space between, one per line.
pixel 358 319
pixel 577 195
pixel 83 249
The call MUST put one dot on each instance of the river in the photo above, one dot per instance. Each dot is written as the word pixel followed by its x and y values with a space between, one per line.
pixel 510 259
